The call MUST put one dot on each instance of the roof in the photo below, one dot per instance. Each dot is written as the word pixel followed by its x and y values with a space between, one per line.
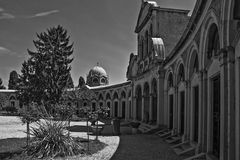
pixel 7 91
pixel 98 70
pixel 109 86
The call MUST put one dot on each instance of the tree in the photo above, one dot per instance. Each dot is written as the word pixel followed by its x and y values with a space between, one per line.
pixel 70 82
pixel 13 80
pixel 45 74
pixel 1 84
pixel 81 81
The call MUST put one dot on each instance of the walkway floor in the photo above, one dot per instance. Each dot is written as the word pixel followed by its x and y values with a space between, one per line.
pixel 143 147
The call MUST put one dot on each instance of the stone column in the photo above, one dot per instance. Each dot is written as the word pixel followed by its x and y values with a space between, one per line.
pixel 231 102
pixel 187 111
pixel 237 108
pixel 224 105
pixel 166 110
pixel 200 109
pixel 204 106
pixel 175 110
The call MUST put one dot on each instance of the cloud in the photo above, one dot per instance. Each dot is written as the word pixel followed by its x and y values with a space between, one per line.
pixel 42 14
pixel 4 50
pixel 1 9
pixel 6 16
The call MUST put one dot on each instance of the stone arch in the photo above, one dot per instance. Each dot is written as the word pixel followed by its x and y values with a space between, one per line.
pixel 180 74
pixel 191 55
pixel 100 96
pixel 169 71
pixel 210 24
pixel 108 96
pixel 176 71
pixel 193 64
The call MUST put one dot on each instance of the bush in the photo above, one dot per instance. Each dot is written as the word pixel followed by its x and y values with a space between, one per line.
pixel 10 109
pixel 50 139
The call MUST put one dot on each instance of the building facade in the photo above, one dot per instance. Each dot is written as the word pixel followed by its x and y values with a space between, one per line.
pixel 186 76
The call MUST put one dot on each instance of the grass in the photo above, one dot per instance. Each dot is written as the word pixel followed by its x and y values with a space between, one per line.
pixel 12 148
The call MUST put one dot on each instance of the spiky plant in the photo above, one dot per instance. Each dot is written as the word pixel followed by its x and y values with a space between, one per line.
pixel 50 139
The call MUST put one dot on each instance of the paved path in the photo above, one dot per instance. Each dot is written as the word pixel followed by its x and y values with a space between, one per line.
pixel 143 147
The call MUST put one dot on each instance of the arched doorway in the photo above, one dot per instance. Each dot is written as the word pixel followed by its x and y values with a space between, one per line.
pixel 154 101
pixel 115 97
pixel 170 101
pixel 180 79
pixel 129 105
pixel 213 48
pixel 139 103
pixel 146 102
pixel 123 98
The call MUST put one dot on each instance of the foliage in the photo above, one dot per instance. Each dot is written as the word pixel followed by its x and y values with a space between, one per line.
pixel 30 114
pixel 100 113
pixel 50 139
pixel 13 80
pixel 69 82
pixel 46 72
pixel 1 84
pixel 81 81
pixel 65 111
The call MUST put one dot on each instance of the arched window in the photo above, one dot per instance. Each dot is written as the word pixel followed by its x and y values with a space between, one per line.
pixel 213 45
pixel 108 96
pixel 196 65
pixel 170 80
pixel 123 94
pixel 100 97
pixel 115 96
pixel 181 74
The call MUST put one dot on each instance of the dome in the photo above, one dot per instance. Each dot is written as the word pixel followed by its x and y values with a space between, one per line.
pixel 98 70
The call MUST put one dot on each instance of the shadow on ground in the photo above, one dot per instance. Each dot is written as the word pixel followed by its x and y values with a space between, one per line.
pixel 79 128
pixel 143 147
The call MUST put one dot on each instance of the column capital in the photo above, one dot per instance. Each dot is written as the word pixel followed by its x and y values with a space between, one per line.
pixel 230 54
pixel 222 56
pixel 161 73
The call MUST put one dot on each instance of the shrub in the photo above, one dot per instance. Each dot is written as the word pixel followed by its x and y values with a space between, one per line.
pixel 50 139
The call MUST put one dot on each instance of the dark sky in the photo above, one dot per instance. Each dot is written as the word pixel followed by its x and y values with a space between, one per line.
pixel 102 31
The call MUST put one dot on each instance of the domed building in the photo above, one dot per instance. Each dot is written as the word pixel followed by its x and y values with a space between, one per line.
pixel 97 76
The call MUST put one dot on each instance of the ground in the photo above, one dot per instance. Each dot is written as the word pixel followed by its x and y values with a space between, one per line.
pixel 123 147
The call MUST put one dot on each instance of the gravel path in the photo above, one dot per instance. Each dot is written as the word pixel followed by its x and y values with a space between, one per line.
pixel 143 147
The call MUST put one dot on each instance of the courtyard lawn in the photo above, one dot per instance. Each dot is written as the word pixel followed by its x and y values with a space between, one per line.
pixel 12 140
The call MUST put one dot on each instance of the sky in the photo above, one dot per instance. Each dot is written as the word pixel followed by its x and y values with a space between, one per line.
pixel 102 32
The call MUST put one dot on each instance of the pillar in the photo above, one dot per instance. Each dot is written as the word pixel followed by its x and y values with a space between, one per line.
pixel 204 106
pixel 231 102
pixel 201 114
pixel 237 100
pixel 224 105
